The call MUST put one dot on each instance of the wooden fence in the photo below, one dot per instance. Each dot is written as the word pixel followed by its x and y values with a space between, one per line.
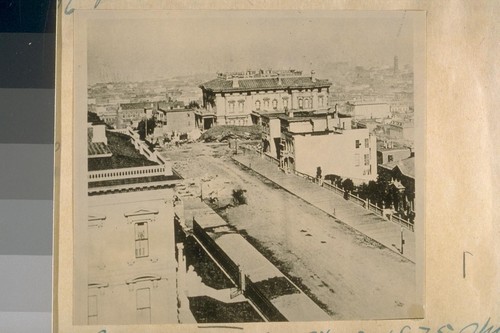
pixel 217 253
pixel 233 270
pixel 262 302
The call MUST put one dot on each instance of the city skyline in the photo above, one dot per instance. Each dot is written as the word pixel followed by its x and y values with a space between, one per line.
pixel 209 41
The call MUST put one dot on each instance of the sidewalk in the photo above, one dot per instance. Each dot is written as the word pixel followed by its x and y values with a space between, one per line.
pixel 375 227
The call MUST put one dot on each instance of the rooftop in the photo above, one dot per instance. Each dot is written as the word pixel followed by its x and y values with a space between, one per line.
pixel 406 166
pixel 138 105
pixel 259 73
pixel 98 148
pixel 270 81
pixel 94 119
pixel 164 105
pixel 124 154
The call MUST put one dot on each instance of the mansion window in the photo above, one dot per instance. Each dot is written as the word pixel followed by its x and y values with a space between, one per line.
pixel 231 107
pixel 367 144
pixel 307 103
pixel 275 104
pixel 241 106
pixel 266 104
pixel 390 158
pixel 367 159
pixel 141 240
pixel 301 103
pixel 320 101
pixel 143 306
pixel 285 102
pixel 358 144
pixel 257 105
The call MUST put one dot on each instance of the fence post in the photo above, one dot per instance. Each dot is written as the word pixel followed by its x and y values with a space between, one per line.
pixel 242 279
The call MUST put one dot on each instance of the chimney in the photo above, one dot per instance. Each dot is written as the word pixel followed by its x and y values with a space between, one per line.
pixel 313 76
pixel 236 84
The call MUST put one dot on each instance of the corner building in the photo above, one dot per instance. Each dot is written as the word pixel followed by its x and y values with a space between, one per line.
pixel 304 142
pixel 240 98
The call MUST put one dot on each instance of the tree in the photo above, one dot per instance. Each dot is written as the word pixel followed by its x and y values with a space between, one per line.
pixel 150 124
pixel 239 197
pixel 334 179
pixel 318 172
pixel 392 197
pixel 193 105
pixel 348 186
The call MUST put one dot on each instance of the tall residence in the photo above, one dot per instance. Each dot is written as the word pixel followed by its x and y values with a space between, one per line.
pixel 240 98
pixel 305 141
pixel 125 249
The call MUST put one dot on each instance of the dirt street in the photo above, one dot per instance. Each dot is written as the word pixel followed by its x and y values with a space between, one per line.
pixel 348 277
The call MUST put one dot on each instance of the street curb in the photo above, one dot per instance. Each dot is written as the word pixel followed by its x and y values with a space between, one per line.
pixel 327 213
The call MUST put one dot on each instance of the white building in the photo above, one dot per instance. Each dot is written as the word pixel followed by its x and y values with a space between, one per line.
pixel 240 98
pixel 368 110
pixel 302 143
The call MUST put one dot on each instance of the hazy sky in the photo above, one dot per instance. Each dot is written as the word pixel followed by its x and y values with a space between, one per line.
pixel 189 42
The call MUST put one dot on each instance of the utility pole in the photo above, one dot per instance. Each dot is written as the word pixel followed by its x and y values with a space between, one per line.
pixel 402 240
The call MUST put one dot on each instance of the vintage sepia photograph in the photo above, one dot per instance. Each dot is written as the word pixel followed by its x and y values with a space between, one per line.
pixel 248 166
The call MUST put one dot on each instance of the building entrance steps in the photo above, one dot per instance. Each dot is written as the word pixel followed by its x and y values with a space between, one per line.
pixel 375 227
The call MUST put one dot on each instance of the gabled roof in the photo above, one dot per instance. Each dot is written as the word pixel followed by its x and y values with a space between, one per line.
pixel 250 84
pixel 406 166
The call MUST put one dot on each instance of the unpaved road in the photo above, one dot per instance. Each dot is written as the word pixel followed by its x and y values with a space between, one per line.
pixel 348 277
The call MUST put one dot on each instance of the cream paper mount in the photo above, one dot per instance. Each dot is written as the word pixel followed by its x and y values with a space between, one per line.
pixel 136 248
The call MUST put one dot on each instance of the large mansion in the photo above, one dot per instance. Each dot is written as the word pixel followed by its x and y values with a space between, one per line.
pixel 239 98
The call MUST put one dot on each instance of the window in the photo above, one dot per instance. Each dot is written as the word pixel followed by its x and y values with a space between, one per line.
pixel 141 240
pixel 231 107
pixel 257 105
pixel 390 158
pixel 241 106
pixel 367 159
pixel 266 104
pixel 143 305
pixel 358 144
pixel 275 104
pixel 301 105
pixel 320 101
pixel 285 102
pixel 367 143
pixel 92 310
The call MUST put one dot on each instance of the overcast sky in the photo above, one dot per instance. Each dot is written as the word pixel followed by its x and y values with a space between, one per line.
pixel 189 42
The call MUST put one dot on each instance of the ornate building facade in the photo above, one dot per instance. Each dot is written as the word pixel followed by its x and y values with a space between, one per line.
pixel 239 98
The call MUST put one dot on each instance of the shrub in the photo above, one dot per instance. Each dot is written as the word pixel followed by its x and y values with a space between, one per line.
pixel 239 197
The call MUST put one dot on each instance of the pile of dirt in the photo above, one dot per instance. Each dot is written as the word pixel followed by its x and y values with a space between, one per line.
pixel 224 133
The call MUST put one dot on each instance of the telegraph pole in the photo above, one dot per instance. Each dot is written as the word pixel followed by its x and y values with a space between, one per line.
pixel 402 240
